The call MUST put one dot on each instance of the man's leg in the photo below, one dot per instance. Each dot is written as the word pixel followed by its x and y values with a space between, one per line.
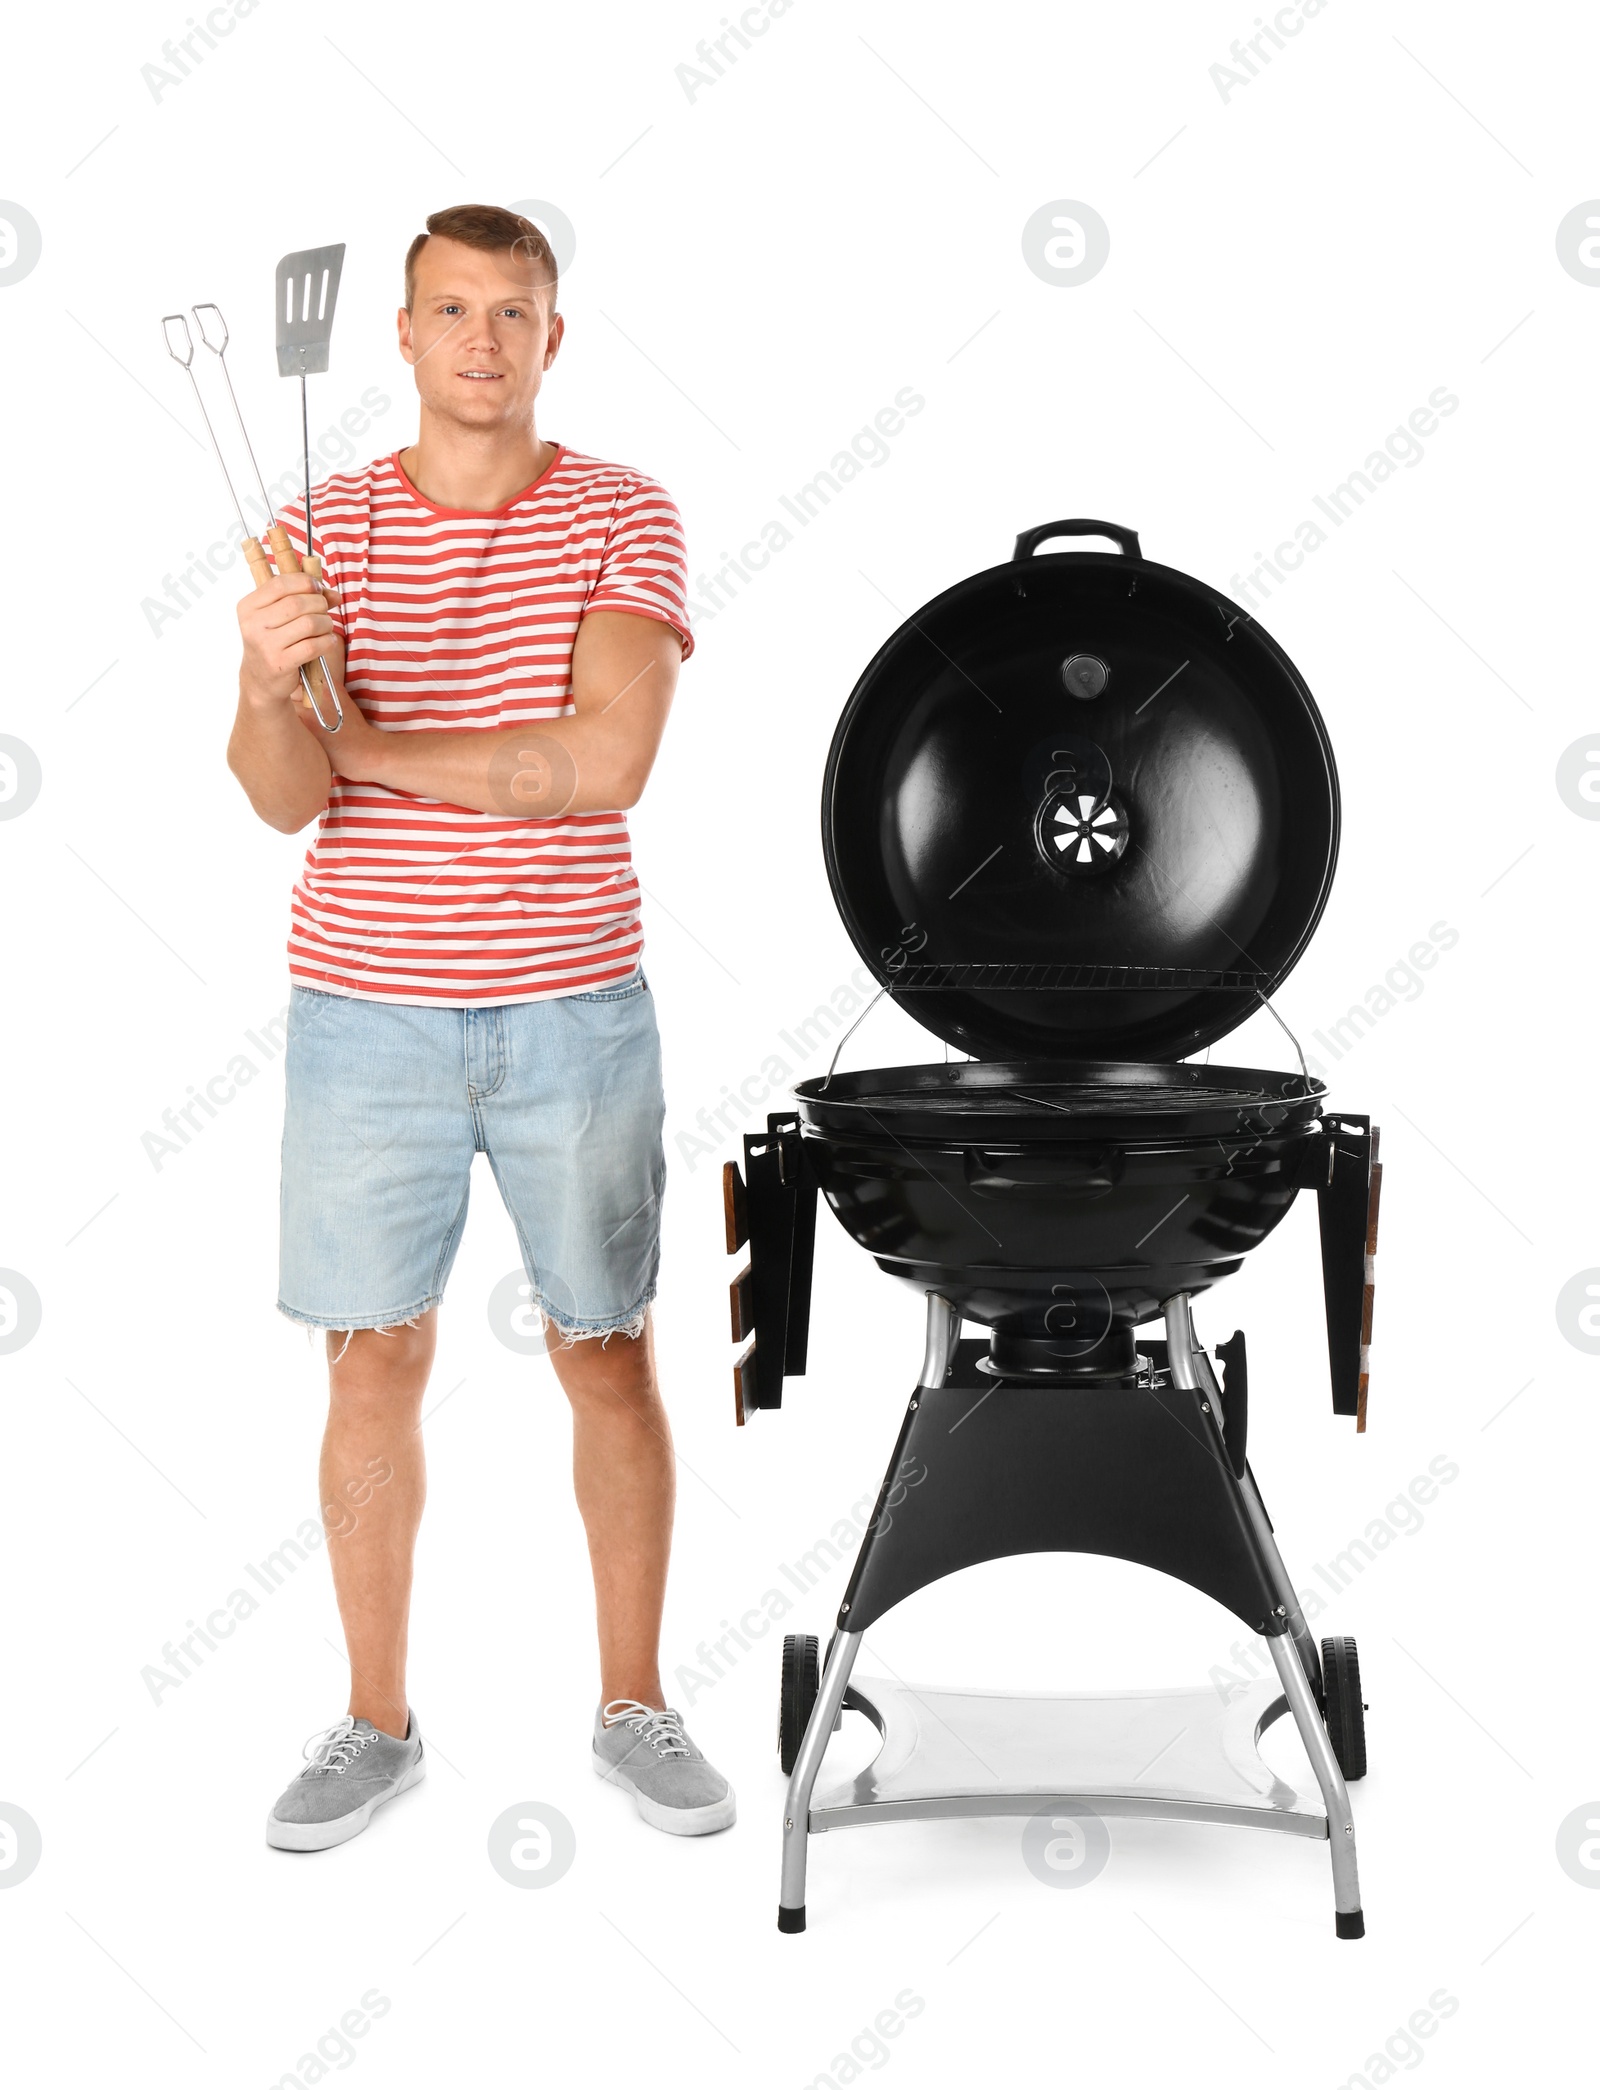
pixel 625 1480
pixel 624 1476
pixel 372 1486
pixel 573 1133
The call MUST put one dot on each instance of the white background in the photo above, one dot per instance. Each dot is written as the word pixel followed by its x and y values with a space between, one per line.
pixel 759 269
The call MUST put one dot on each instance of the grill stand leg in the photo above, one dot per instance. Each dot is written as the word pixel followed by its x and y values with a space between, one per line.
pixel 1181 1339
pixel 797 1801
pixel 1299 1631
pixel 1348 1921
pixel 943 1329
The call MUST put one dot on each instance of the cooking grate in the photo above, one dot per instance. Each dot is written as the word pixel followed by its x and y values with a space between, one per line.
pixel 1074 1098
pixel 1116 979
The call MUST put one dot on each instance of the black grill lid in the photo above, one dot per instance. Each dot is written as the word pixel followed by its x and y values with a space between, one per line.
pixel 1080 806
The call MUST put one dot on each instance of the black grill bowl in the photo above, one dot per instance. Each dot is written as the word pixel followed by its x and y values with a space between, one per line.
pixel 1041 1197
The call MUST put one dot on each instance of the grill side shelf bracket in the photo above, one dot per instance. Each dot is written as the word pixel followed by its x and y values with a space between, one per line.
pixel 1374 1192
pixel 772 1206
pixel 1235 1399
pixel 1347 1208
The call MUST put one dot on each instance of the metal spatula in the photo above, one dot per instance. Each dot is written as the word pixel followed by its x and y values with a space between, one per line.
pixel 307 289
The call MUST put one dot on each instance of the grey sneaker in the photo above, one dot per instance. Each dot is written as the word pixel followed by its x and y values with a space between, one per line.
pixel 649 1755
pixel 351 1769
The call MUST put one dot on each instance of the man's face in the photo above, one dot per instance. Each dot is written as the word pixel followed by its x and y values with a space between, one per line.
pixel 480 334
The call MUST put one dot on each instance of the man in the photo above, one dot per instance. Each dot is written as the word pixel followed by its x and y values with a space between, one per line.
pixel 504 618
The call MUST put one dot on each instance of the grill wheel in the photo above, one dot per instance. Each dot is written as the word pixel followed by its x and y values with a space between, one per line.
pixel 798 1694
pixel 1343 1708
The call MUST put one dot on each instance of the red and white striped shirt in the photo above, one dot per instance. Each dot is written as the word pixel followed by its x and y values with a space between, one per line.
pixel 455 619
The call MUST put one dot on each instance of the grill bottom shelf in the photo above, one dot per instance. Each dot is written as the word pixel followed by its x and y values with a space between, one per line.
pixel 1174 1755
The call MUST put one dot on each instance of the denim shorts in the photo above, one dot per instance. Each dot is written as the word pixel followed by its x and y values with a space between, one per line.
pixel 386 1107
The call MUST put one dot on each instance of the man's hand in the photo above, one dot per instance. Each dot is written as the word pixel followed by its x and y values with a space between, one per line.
pixel 285 626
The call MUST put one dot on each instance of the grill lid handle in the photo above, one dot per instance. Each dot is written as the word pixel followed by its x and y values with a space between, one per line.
pixel 1029 542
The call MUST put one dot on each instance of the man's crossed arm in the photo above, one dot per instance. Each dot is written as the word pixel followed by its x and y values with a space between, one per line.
pixel 624 673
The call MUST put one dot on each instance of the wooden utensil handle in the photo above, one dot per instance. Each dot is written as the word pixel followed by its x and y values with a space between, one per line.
pixel 318 669
pixel 288 561
pixel 316 672
pixel 284 554
pixel 256 559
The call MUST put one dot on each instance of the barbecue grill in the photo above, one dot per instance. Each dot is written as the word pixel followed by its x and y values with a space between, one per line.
pixel 1080 818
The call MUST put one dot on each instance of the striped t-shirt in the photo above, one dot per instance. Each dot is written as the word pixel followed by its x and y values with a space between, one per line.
pixel 459 620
